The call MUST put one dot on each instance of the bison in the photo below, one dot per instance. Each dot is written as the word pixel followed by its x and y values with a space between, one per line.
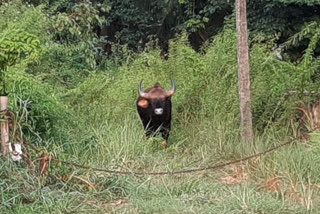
pixel 154 108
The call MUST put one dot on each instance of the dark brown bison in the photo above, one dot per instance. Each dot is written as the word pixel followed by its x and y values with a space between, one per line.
pixel 154 108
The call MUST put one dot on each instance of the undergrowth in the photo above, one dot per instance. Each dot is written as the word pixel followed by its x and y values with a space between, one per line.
pixel 87 114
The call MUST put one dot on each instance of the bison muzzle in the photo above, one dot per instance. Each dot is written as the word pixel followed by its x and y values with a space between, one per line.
pixel 154 108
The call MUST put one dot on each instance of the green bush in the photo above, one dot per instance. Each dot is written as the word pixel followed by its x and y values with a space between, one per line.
pixel 40 112
pixel 207 85
pixel 88 115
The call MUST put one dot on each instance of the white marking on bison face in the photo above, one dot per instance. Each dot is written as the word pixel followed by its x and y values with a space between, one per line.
pixel 158 111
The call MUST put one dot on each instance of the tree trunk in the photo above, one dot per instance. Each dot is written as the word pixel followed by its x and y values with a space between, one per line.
pixel 244 71
pixel 4 126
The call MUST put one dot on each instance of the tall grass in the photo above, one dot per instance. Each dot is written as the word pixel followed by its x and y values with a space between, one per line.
pixel 93 121
pixel 244 188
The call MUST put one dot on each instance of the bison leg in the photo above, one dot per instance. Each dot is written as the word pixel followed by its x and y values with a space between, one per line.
pixel 148 129
pixel 165 144
pixel 165 135
pixel 149 133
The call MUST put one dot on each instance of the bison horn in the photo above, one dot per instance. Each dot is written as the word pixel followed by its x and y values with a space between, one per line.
pixel 173 88
pixel 167 94
pixel 141 92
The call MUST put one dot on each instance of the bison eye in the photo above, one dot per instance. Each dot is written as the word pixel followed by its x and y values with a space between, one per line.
pixel 143 103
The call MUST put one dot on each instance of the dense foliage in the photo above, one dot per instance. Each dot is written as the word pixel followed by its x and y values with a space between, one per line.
pixel 136 22
pixel 71 69
pixel 53 53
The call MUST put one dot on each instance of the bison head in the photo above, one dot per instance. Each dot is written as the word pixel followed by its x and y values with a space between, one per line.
pixel 155 98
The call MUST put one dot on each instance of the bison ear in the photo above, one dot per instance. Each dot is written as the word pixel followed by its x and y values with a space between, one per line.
pixel 143 103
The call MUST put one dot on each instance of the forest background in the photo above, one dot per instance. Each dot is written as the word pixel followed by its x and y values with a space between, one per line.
pixel 71 70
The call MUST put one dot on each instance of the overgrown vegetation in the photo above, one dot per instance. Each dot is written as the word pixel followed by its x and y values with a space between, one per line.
pixel 75 102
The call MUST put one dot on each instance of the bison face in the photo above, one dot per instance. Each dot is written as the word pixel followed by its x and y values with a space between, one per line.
pixel 156 100
pixel 158 106
pixel 155 107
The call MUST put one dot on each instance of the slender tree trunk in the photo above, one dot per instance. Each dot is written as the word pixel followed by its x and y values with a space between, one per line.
pixel 4 126
pixel 244 71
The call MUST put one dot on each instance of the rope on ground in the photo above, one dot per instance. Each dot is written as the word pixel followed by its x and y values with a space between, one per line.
pixel 213 167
